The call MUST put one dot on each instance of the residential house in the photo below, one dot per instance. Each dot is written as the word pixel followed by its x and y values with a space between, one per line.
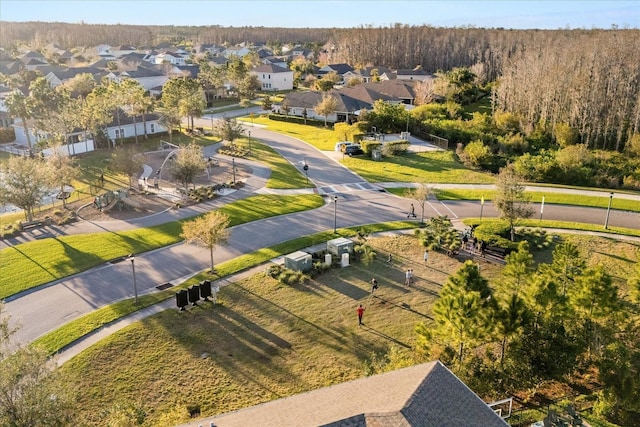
pixel 238 51
pixel 424 395
pixel 339 69
pixel 275 60
pixel 120 51
pixel 58 75
pixel 369 74
pixel 350 100
pixel 273 77
pixel 126 126
pixel 148 77
pixel 416 74
pixel 171 58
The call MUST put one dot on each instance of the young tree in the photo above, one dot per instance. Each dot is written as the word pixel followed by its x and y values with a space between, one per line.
pixel 248 86
pixel 267 104
pixel 208 231
pixel 518 270
pixel 30 392
pixel 327 106
pixel 420 194
pixel 23 183
pixel 126 161
pixel 170 119
pixel 510 199
pixel 511 318
pixel 228 129
pixel 189 163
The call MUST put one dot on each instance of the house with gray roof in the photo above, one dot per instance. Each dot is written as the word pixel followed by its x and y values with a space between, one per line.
pixel 273 77
pixel 426 395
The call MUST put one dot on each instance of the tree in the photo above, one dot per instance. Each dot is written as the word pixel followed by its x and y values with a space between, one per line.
pixel 510 319
pixel 21 106
pixel 420 194
pixel 228 129
pixel 61 170
pixel 248 86
pixel 30 392
pixel 189 163
pixel 208 231
pixel 518 269
pixel 267 104
pixel 183 97
pixel 510 199
pixel 168 118
pixel 327 106
pixel 23 183
pixel 126 161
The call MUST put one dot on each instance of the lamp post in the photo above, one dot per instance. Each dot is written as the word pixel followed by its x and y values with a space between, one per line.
pixel 335 211
pixel 606 221
pixel 211 123
pixel 233 169
pixel 135 284
pixel 249 142
pixel 481 206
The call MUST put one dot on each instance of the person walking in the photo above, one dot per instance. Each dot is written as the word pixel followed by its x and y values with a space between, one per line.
pixel 425 257
pixel 374 285
pixel 412 211
pixel 390 259
pixel 407 278
pixel 360 312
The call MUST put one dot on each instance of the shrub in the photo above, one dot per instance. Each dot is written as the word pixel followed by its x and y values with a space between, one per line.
pixel 7 135
pixel 369 146
pixel 393 148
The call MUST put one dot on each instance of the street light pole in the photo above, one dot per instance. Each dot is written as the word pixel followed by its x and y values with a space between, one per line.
pixel 335 211
pixel 249 142
pixel 233 169
pixel 606 221
pixel 135 284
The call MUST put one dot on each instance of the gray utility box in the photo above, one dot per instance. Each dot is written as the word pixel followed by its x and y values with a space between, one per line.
pixel 340 246
pixel 298 261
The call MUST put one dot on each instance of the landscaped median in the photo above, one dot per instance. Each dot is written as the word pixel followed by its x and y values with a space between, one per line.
pixel 39 262
pixel 62 337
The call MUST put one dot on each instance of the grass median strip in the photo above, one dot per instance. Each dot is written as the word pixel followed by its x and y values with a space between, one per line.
pixel 74 330
pixel 35 263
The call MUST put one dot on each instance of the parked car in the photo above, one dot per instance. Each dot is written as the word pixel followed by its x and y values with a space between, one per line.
pixel 352 149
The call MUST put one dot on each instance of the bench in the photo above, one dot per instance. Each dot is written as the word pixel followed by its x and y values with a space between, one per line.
pixel 496 251
pixel 26 225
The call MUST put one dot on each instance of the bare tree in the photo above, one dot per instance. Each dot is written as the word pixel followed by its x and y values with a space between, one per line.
pixel 327 106
pixel 208 231
pixel 420 194
pixel 510 199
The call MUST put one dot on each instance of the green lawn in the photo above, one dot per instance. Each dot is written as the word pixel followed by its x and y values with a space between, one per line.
pixel 321 138
pixel 427 167
pixel 41 261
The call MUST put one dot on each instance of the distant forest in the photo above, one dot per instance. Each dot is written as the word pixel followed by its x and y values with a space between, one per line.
pixel 587 79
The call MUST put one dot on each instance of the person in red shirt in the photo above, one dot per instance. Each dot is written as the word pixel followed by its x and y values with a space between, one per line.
pixel 360 311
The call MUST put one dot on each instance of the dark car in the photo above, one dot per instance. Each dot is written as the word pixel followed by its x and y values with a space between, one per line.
pixel 352 150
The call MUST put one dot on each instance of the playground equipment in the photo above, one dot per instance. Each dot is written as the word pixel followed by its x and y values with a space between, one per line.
pixel 111 199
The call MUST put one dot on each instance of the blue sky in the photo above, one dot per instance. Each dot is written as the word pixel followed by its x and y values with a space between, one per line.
pixel 517 14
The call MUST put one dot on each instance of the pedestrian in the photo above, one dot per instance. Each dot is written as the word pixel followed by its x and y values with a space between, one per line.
pixel 102 180
pixel 410 276
pixel 360 312
pixel 412 211
pixel 374 285
pixel 390 259
pixel 425 257
pixel 407 278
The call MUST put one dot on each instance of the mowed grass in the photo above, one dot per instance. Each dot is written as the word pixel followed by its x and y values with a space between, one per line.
pixel 321 138
pixel 265 340
pixel 41 261
pixel 425 167
pixel 283 174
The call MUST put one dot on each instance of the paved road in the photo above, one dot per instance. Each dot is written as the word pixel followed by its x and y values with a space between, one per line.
pixel 51 306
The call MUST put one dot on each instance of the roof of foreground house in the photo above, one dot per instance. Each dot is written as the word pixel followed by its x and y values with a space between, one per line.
pixel 423 395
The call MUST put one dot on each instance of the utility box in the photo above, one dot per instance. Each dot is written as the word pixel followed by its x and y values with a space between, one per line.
pixel 327 259
pixel 376 155
pixel 344 261
pixel 340 246
pixel 298 261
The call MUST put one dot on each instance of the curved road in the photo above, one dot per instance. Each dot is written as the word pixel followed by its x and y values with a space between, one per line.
pixel 46 308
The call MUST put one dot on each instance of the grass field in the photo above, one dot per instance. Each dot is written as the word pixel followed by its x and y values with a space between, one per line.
pixel 41 261
pixel 266 340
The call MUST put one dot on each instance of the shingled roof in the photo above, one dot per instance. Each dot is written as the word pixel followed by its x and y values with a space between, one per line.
pixel 423 395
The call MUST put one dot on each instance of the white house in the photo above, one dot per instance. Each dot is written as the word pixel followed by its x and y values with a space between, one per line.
pixel 174 59
pixel 124 126
pixel 273 77
pixel 147 77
